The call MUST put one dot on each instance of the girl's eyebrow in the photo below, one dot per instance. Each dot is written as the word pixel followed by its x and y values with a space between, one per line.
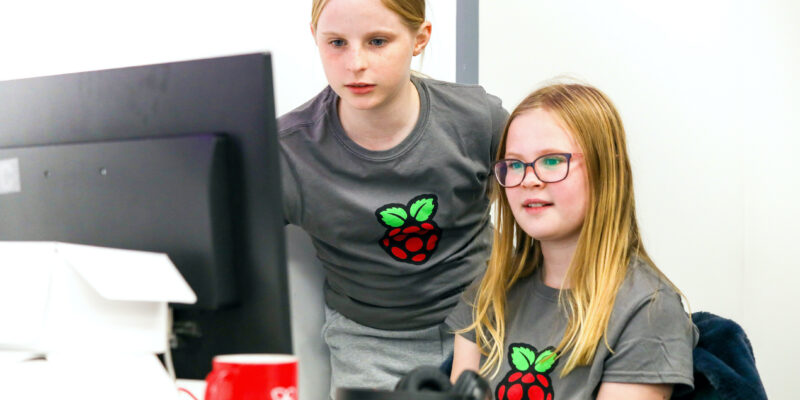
pixel 378 32
pixel 381 32
pixel 329 33
pixel 538 153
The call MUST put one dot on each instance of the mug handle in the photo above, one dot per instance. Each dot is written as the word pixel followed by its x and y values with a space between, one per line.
pixel 214 382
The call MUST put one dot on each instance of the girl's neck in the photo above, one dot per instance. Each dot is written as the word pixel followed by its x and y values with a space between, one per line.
pixel 385 126
pixel 557 257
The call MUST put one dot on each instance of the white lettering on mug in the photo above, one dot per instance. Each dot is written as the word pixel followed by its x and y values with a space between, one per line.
pixel 281 393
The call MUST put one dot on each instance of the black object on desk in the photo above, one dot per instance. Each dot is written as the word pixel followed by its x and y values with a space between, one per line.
pixel 425 383
pixel 371 394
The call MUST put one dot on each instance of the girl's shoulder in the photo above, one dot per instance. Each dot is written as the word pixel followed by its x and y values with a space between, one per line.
pixel 309 113
pixel 469 104
pixel 457 94
pixel 643 283
pixel 447 85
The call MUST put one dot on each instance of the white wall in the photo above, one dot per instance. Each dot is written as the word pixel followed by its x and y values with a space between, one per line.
pixel 46 37
pixel 709 94
pixel 52 37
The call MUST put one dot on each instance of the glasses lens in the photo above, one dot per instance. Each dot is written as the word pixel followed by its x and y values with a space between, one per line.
pixel 500 172
pixel 509 172
pixel 552 167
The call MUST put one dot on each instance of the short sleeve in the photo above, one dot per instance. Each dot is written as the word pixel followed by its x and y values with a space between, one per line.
pixel 290 192
pixel 461 316
pixel 499 116
pixel 655 344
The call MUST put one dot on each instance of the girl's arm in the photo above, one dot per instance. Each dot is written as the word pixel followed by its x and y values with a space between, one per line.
pixel 466 355
pixel 617 391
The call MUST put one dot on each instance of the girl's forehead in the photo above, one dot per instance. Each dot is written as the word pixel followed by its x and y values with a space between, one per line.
pixel 342 13
pixel 538 130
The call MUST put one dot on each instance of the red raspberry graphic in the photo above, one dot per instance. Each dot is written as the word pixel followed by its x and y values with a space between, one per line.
pixel 411 236
pixel 528 378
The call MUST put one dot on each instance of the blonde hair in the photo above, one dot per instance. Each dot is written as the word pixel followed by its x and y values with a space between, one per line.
pixel 609 237
pixel 412 12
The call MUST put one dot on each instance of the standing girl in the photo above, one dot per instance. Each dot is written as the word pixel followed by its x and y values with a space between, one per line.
pixel 571 306
pixel 388 174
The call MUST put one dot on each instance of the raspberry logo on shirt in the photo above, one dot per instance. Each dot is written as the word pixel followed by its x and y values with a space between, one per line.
pixel 529 378
pixel 411 235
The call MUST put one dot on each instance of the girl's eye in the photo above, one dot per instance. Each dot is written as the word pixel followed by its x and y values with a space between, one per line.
pixel 552 161
pixel 377 42
pixel 337 42
pixel 516 165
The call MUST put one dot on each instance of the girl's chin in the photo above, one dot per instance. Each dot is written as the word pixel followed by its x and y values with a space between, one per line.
pixel 360 103
pixel 552 236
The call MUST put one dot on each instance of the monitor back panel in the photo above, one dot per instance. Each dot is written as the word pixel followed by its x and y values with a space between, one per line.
pixel 231 95
pixel 165 195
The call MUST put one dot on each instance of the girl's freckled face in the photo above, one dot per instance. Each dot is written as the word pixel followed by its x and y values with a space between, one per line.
pixel 366 51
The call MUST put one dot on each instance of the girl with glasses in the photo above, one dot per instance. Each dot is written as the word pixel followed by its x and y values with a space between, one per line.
pixel 571 306
pixel 388 174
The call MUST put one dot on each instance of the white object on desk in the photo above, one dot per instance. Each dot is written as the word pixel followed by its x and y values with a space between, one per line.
pixel 58 296
pixel 89 376
pixel 98 315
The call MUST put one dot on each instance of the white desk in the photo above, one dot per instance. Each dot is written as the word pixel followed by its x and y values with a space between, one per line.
pixel 196 387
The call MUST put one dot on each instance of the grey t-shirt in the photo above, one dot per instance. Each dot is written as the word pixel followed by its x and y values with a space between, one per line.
pixel 649 332
pixel 400 232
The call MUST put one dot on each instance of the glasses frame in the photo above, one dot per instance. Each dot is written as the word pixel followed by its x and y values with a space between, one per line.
pixel 532 164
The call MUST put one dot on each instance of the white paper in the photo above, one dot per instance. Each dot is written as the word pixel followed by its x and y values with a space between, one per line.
pixel 10 181
pixel 128 275
pixel 24 288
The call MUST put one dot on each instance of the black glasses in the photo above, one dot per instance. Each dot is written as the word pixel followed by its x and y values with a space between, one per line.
pixel 548 168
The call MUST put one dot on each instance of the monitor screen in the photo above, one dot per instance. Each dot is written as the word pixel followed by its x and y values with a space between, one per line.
pixel 179 158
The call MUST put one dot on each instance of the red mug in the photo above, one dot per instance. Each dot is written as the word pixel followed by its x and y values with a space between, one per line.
pixel 252 377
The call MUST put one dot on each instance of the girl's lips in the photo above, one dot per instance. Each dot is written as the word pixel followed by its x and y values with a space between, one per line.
pixel 535 205
pixel 360 88
pixel 537 209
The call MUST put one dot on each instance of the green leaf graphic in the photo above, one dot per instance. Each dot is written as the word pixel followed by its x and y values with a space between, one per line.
pixel 522 357
pixel 422 209
pixel 394 217
pixel 545 361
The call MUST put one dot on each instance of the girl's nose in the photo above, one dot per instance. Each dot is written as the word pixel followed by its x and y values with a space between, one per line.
pixel 530 179
pixel 358 60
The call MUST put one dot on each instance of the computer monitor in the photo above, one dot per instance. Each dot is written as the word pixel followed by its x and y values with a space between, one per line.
pixel 179 158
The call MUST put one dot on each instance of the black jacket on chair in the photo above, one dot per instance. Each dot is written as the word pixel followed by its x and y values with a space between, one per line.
pixel 724 364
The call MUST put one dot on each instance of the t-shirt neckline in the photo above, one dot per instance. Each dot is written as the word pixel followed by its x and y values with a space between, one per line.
pixel 542 290
pixel 401 148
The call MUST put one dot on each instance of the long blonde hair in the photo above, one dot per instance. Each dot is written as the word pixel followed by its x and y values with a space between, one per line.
pixel 608 239
pixel 412 12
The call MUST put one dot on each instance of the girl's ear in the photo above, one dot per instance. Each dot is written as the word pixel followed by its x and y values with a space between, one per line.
pixel 313 33
pixel 422 38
